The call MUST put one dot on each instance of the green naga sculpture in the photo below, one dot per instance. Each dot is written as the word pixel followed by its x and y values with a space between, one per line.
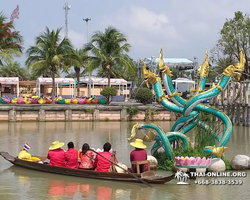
pixel 189 109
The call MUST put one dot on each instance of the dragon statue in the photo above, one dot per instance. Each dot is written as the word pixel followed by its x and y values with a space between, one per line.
pixel 189 109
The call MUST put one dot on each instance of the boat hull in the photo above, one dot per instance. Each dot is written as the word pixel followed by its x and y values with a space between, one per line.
pixel 82 173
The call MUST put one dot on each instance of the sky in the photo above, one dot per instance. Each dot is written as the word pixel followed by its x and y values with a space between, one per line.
pixel 184 29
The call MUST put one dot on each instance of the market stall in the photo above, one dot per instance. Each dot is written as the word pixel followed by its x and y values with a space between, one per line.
pixel 11 81
pixel 48 81
pixel 96 81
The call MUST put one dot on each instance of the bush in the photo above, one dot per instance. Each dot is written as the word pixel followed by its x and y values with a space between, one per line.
pixel 132 111
pixel 144 95
pixel 109 91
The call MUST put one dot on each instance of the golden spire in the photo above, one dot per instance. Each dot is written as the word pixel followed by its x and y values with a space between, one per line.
pixel 161 63
pixel 192 89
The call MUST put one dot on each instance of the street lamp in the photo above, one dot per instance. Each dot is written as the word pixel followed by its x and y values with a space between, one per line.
pixel 87 20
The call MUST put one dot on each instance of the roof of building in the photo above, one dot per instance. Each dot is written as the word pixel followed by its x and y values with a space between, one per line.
pixel 102 81
pixel 9 80
pixel 183 80
pixel 48 81
pixel 171 60
pixel 27 82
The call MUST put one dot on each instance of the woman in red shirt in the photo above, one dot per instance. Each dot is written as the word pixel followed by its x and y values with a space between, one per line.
pixel 86 157
pixel 71 157
pixel 56 155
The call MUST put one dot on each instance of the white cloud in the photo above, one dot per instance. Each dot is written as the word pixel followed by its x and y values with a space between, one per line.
pixel 147 31
pixel 77 39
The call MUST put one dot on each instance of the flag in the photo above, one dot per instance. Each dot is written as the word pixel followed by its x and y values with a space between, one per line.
pixel 27 147
pixel 15 14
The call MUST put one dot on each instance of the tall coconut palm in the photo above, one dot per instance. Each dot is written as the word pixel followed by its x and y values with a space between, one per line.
pixel 50 54
pixel 81 56
pixel 10 41
pixel 109 48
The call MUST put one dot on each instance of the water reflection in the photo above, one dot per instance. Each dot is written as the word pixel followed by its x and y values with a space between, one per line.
pixel 68 189
pixel 23 184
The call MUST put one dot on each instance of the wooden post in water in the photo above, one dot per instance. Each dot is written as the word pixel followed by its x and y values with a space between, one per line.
pixel 248 115
pixel 228 98
pixel 222 100
pixel 237 114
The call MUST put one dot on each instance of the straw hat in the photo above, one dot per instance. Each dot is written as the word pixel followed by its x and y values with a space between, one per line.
pixel 138 143
pixel 56 145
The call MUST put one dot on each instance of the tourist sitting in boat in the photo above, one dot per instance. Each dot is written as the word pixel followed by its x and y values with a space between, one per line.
pixel 56 154
pixel 24 154
pixel 102 164
pixel 139 154
pixel 71 156
pixel 86 157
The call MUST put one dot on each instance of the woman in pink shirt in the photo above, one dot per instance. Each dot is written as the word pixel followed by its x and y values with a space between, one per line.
pixel 56 155
pixel 71 157
pixel 86 157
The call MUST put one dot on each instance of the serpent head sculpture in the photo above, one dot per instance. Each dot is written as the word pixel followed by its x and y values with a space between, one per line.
pixel 149 77
pixel 148 136
pixel 236 69
pixel 162 67
pixel 204 68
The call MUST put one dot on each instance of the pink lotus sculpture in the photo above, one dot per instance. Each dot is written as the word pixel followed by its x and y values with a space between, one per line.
pixel 193 161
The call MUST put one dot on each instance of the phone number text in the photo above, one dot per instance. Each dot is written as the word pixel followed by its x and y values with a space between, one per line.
pixel 218 182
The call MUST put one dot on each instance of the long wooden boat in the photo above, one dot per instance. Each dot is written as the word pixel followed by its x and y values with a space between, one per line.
pixel 83 173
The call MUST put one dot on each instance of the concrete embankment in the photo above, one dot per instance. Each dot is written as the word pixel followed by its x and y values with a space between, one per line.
pixel 85 112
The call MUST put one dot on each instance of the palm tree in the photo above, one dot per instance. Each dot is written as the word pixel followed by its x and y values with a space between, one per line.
pixel 50 54
pixel 81 56
pixel 10 42
pixel 109 49
pixel 13 69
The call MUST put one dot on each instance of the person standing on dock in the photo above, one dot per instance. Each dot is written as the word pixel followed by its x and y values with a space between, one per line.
pixel 56 154
pixel 71 156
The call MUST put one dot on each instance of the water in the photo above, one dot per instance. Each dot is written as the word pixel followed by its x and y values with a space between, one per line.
pixel 17 183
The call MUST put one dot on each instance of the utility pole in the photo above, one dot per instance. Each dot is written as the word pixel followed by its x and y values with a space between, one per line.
pixel 87 20
pixel 66 7
pixel 195 71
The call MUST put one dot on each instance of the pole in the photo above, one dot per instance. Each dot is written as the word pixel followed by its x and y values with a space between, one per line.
pixel 66 7
pixel 87 20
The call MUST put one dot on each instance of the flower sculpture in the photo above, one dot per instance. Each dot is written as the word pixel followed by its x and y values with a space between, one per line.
pixel 192 161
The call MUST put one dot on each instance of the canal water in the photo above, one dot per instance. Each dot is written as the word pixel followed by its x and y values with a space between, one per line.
pixel 17 183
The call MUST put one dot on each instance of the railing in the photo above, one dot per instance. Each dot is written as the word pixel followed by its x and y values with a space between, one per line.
pixel 234 101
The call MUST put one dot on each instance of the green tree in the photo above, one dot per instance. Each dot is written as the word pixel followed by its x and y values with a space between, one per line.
pixel 10 41
pixel 109 49
pixel 50 54
pixel 82 58
pixel 217 70
pixel 13 69
pixel 234 37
